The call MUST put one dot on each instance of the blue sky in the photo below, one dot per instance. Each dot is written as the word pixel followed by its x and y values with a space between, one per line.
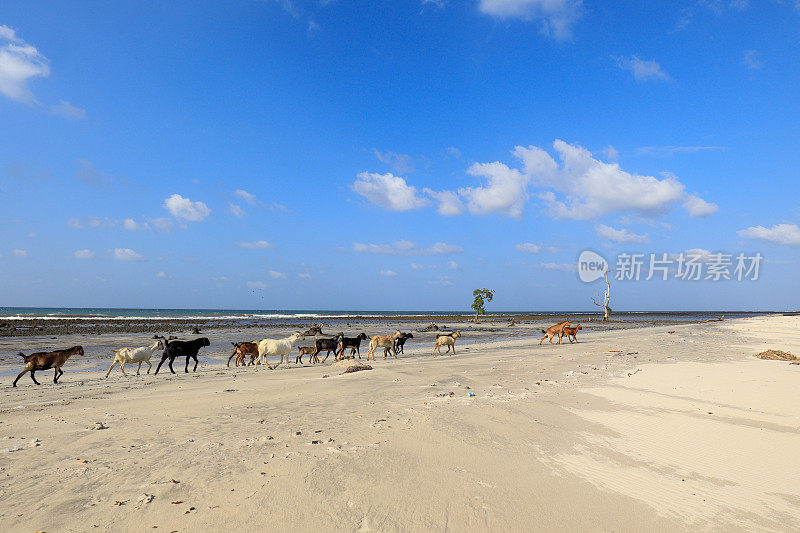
pixel 330 154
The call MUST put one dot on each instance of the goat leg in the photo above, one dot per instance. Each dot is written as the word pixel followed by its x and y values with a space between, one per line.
pixel 19 376
pixel 34 377
pixel 159 365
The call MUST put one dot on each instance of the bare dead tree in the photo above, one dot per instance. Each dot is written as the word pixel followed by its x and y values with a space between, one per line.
pixel 604 299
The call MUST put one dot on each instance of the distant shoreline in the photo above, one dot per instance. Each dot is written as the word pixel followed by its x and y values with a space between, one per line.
pixel 17 322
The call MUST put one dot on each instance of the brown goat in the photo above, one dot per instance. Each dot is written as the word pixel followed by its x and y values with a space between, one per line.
pixel 571 332
pixel 46 361
pixel 554 331
pixel 242 349
pixel 311 351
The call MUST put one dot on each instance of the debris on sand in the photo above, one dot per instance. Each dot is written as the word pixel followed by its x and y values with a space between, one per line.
pixel 356 368
pixel 778 355
pixel 97 425
pixel 429 327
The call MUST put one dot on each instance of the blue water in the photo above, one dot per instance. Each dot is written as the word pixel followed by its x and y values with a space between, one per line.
pixel 21 314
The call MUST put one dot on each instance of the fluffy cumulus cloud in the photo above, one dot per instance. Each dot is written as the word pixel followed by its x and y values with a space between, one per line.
pixel 788 234
pixel 406 248
pixel 20 253
pixel 388 273
pixel 274 274
pixel 505 191
pixel 126 254
pixel 621 236
pixel 388 191
pixel 256 285
pixel 592 188
pixel 256 245
pixel 578 186
pixel 641 69
pixel 186 209
pixel 20 63
pixel 557 17
pixel 83 254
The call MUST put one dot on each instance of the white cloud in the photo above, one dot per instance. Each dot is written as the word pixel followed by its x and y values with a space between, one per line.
pixel 20 62
pixel 788 234
pixel 449 202
pixel 417 266
pixel 161 275
pixel 561 267
pixel 274 274
pixel 161 224
pixel 67 110
pixel 304 275
pixel 256 245
pixel 400 163
pixel 622 236
pixel 406 248
pixel 256 285
pixel 528 247
pixel 388 273
pixel 236 210
pixel 697 207
pixel 751 60
pixel 505 193
pixel 556 16
pixel 131 225
pixel 452 265
pixel 593 188
pixel 83 254
pixel 126 254
pixel 246 196
pixel 186 209
pixel 20 253
pixel 642 70
pixel 388 191
pixel 92 222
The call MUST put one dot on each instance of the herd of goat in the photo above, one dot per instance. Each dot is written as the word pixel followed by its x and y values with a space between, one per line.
pixel 259 351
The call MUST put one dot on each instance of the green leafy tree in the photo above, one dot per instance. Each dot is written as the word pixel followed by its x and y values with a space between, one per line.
pixel 481 297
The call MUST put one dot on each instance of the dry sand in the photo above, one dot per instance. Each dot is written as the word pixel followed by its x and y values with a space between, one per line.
pixel 627 430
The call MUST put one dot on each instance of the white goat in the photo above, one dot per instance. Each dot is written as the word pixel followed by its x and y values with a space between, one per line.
pixel 282 347
pixel 135 355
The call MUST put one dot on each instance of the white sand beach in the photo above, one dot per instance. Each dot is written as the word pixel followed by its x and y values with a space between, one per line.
pixel 627 430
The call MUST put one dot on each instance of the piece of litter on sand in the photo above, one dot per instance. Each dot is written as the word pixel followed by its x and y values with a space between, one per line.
pixel 470 394
pixel 145 498
pixel 97 425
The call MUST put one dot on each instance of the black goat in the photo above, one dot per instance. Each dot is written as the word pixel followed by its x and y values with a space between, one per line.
pixel 401 341
pixel 354 343
pixel 325 345
pixel 179 349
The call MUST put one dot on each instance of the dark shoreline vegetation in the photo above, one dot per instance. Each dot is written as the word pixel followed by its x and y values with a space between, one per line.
pixel 96 325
